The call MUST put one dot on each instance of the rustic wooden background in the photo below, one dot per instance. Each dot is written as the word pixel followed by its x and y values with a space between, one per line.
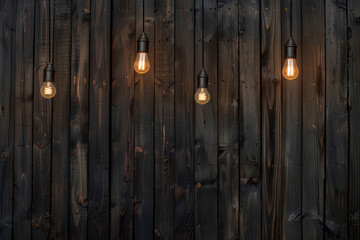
pixel 116 155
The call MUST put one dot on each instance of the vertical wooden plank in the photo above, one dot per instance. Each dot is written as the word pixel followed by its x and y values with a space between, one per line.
pixel 144 130
pixel 228 111
pixel 206 125
pixel 313 118
pixel 122 119
pixel 41 195
pixel 272 168
pixel 250 208
pixel 250 88
pixel 7 12
pixel 60 130
pixel 353 12
pixel 336 198
pixel 250 119
pixel 164 120
pixel 184 119
pixel 23 118
pixel 79 119
pixel 291 118
pixel 99 120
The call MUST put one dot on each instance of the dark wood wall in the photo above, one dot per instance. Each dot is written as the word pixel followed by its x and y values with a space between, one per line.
pixel 117 155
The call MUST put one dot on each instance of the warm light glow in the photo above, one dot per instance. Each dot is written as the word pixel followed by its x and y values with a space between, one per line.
pixel 48 90
pixel 202 96
pixel 142 64
pixel 290 70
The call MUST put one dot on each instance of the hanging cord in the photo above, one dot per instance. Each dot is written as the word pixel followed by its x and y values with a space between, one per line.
pixel 51 22
pixel 49 29
pixel 143 15
pixel 290 18
pixel 202 33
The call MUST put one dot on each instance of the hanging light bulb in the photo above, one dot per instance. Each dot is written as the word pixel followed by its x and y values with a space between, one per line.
pixel 202 95
pixel 142 64
pixel 48 89
pixel 290 70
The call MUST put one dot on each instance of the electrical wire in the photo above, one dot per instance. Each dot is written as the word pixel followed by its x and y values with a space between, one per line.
pixel 202 33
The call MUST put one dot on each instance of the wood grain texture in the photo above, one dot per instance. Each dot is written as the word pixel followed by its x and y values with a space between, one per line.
pixel 184 119
pixel 336 195
pixel 353 12
pixel 292 126
pixel 42 119
pixel 250 208
pixel 99 121
pixel 144 130
pixel 7 61
pixel 206 163
pixel 122 119
pixel 228 118
pixel 164 120
pixel 24 42
pixel 79 119
pixel 250 89
pixel 272 158
pixel 60 178
pixel 313 118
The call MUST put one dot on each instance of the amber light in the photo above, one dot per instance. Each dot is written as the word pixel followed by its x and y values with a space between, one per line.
pixel 290 70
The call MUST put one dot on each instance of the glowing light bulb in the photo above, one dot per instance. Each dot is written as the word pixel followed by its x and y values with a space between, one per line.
pixel 202 96
pixel 142 64
pixel 48 90
pixel 290 70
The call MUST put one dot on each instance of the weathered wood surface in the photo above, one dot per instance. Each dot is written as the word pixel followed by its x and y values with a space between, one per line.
pixel 184 119
pixel 122 119
pixel 250 209
pixel 336 150
pixel 24 42
pixel 60 178
pixel 313 118
pixel 291 127
pixel 116 155
pixel 250 88
pixel 164 120
pixel 206 163
pixel 144 129
pixel 79 119
pixel 42 119
pixel 353 12
pixel 7 107
pixel 272 148
pixel 99 121
pixel 228 117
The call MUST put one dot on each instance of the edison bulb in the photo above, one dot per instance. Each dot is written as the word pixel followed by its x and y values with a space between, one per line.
pixel 48 90
pixel 290 70
pixel 142 64
pixel 202 96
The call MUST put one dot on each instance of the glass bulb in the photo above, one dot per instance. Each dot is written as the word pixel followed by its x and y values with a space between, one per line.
pixel 290 70
pixel 142 64
pixel 202 96
pixel 48 90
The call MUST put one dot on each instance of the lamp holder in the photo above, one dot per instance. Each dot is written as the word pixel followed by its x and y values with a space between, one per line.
pixel 290 48
pixel 49 73
pixel 143 43
pixel 203 78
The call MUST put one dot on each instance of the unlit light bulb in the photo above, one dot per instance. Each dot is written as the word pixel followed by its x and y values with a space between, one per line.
pixel 142 64
pixel 290 70
pixel 48 90
pixel 202 96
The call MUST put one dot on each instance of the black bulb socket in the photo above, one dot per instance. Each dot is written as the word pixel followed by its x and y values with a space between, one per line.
pixel 290 49
pixel 143 43
pixel 49 73
pixel 203 79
